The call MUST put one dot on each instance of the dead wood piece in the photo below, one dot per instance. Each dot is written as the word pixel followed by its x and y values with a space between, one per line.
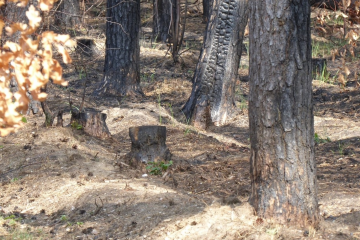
pixel 148 144
pixel 92 122
pixel 318 66
pixel 60 121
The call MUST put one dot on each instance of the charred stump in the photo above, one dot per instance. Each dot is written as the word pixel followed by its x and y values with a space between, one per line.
pixel 318 66
pixel 92 122
pixel 148 144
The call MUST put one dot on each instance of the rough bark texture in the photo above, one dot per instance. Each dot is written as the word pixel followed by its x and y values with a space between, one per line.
pixel 148 144
pixel 68 13
pixel 282 163
pixel 161 20
pixel 92 122
pixel 214 79
pixel 122 65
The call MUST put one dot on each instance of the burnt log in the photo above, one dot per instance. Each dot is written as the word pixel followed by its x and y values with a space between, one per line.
pixel 148 144
pixel 92 122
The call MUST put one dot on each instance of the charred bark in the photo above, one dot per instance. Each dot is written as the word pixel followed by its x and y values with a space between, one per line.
pixel 161 20
pixel 282 162
pixel 207 4
pixel 212 95
pixel 122 65
pixel 68 13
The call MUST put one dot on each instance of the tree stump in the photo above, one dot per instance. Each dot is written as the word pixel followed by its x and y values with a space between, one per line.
pixel 148 144
pixel 318 66
pixel 92 122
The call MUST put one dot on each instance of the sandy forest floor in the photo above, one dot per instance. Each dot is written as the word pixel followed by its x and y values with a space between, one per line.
pixel 58 183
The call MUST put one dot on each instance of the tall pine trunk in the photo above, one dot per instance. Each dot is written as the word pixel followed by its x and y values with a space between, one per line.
pixel 282 163
pixel 122 65
pixel 212 96
pixel 206 9
pixel 161 20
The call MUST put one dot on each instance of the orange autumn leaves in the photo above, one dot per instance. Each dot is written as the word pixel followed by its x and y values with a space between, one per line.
pixel 30 62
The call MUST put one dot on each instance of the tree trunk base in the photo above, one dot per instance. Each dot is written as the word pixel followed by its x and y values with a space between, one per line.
pixel 92 122
pixel 148 144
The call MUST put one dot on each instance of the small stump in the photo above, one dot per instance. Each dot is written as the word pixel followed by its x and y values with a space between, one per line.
pixel 148 144
pixel 92 122
pixel 318 67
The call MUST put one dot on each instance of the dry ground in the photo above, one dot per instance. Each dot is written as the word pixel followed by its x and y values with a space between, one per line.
pixel 58 183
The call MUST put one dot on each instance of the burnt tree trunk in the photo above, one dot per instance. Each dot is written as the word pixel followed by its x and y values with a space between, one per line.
pixel 68 13
pixel 282 163
pixel 212 96
pixel 207 4
pixel 161 20
pixel 175 29
pixel 122 65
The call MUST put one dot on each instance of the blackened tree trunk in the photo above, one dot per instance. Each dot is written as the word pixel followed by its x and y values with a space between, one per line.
pixel 68 13
pixel 122 65
pixel 206 9
pixel 282 163
pixel 212 96
pixel 161 20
